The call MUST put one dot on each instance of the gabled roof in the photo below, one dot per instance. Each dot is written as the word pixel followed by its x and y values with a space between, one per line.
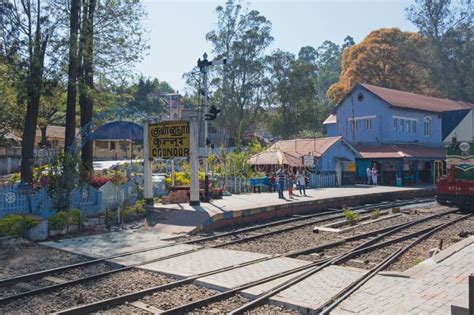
pixel 397 151
pixel 416 101
pixel 315 146
pixel 332 119
pixel 119 130
pixel 275 157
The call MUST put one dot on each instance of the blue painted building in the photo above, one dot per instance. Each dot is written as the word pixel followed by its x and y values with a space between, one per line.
pixel 400 133
pixel 331 154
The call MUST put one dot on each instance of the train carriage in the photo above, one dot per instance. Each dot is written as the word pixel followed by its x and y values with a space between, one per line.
pixel 457 188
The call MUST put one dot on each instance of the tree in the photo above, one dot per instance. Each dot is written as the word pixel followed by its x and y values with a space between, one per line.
pixel 11 112
pixel 386 57
pixel 238 89
pixel 292 86
pixel 448 29
pixel 73 64
pixel 147 96
pixel 52 107
pixel 30 28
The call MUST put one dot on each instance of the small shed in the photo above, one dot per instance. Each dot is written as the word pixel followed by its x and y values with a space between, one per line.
pixel 115 140
pixel 271 160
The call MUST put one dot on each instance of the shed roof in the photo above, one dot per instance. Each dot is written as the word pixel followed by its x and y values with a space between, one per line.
pixel 299 147
pixel 118 130
pixel 416 101
pixel 275 157
pixel 397 151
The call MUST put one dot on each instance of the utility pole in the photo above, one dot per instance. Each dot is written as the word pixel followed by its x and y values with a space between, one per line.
pixel 203 68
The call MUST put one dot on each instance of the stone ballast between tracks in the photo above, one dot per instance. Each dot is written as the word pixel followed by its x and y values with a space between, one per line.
pixel 246 216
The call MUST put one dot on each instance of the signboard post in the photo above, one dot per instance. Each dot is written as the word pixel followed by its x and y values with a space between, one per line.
pixel 169 140
pixel 148 188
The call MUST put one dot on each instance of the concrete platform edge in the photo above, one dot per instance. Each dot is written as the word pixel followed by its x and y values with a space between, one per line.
pixel 221 220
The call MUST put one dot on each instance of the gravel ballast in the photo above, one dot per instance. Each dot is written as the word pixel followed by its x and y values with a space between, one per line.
pixel 91 291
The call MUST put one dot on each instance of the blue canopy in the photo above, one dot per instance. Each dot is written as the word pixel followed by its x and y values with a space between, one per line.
pixel 119 130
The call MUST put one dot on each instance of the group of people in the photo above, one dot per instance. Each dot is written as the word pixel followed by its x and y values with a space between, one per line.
pixel 278 182
pixel 372 175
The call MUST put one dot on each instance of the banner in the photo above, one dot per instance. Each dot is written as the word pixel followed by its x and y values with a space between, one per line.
pixel 169 139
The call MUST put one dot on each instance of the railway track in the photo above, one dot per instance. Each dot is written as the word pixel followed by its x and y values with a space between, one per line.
pixel 57 278
pixel 322 263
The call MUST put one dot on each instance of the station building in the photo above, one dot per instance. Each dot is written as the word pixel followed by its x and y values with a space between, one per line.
pixel 400 133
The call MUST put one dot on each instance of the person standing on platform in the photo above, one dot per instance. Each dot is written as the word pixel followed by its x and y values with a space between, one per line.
pixel 374 175
pixel 369 175
pixel 291 182
pixel 301 182
pixel 281 183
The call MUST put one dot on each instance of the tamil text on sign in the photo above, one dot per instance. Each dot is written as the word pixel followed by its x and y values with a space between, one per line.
pixel 169 139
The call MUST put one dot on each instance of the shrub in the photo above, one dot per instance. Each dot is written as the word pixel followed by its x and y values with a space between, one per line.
pixel 58 221
pixel 126 213
pixel 395 210
pixel 351 216
pixel 375 214
pixel 139 206
pixel 14 178
pixel 16 225
pixel 74 216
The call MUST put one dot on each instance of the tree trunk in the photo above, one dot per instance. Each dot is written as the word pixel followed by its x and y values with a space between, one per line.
pixel 44 140
pixel 72 74
pixel 34 85
pixel 86 100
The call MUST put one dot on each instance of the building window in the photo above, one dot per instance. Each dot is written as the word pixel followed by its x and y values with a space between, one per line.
pixel 427 124
pixel 414 127
pixel 402 125
pixel 408 126
pixel 112 145
pixel 368 124
pixel 395 123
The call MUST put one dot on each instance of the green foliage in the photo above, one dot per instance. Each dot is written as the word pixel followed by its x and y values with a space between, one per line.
pixel 417 261
pixel 74 216
pixel 63 178
pixel 395 210
pixel 139 206
pixel 58 221
pixel 351 216
pixel 375 214
pixel 126 213
pixel 14 178
pixel 16 225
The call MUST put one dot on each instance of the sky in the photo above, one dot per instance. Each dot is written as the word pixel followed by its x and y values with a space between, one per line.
pixel 176 29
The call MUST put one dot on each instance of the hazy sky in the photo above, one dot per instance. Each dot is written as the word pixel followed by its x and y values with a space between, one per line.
pixel 177 28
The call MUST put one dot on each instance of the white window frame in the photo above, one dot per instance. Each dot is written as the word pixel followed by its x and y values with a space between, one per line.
pixel 427 126
pixel 368 124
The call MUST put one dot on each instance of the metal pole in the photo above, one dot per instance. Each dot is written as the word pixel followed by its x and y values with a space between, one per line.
pixel 193 161
pixel 148 189
pixel 206 131
pixel 172 172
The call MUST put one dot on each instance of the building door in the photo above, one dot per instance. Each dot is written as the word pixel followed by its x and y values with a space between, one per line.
pixel 339 172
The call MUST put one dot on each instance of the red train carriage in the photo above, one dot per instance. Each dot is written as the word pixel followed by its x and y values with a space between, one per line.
pixel 457 188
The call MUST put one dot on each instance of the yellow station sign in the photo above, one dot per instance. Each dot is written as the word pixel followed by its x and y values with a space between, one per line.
pixel 169 139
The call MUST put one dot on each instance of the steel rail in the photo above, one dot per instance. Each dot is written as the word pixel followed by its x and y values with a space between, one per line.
pixel 354 286
pixel 43 273
pixel 349 254
pixel 290 254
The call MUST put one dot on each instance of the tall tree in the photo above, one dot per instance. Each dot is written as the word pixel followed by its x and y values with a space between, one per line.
pixel 292 88
pixel 86 79
pixel 448 28
pixel 242 36
pixel 387 58
pixel 31 29
pixel 73 63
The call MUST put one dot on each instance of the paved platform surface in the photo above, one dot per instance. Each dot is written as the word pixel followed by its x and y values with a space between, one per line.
pixel 183 218
pixel 113 243
pixel 431 289
pixel 237 277
pixel 201 261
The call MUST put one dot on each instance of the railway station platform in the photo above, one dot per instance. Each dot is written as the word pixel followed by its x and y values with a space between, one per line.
pixel 250 208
